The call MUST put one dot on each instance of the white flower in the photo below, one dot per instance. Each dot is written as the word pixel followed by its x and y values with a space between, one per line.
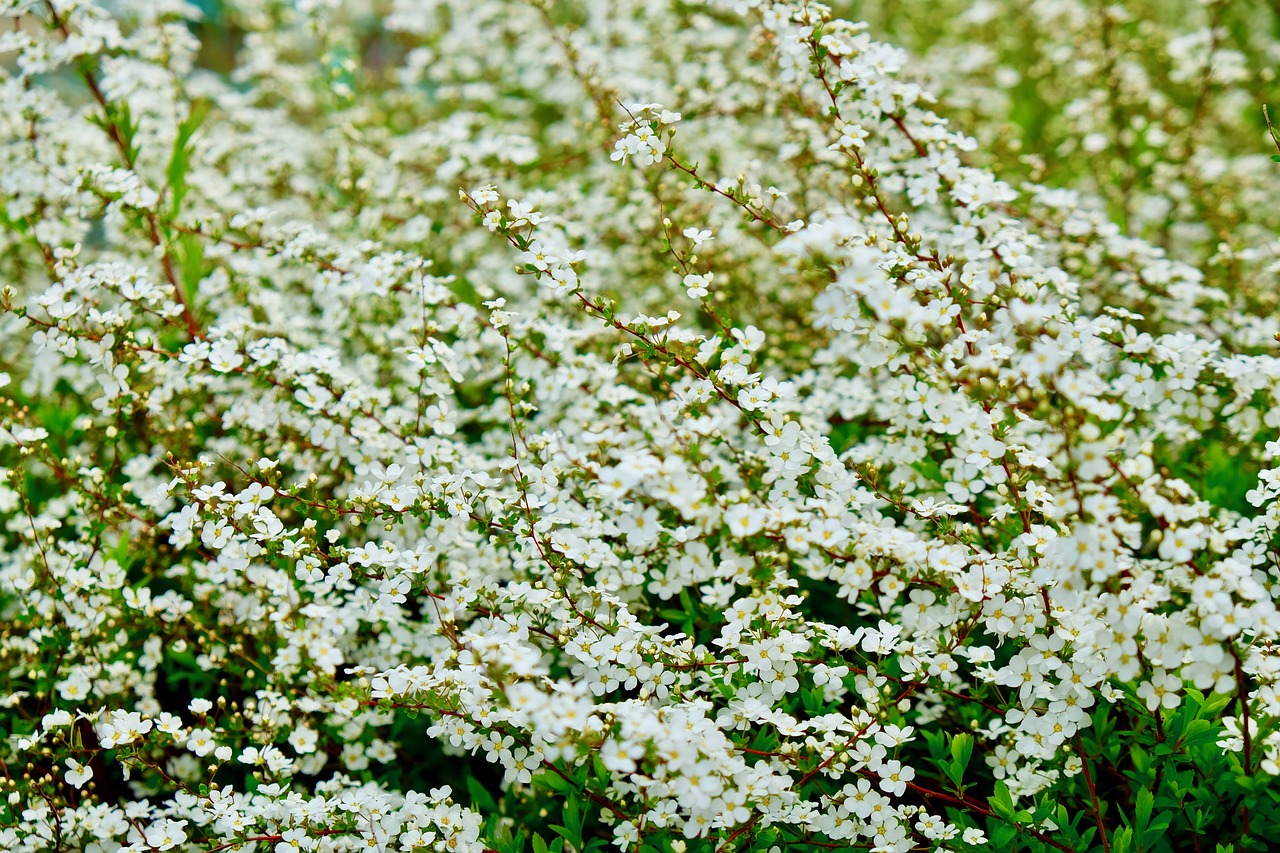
pixel 698 286
pixel 165 834
pixel 744 520
pixel 1162 690
pixel 696 236
pixel 77 774
pixel 201 742
pixel 122 728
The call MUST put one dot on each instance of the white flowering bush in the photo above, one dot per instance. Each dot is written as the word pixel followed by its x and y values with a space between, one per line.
pixel 657 425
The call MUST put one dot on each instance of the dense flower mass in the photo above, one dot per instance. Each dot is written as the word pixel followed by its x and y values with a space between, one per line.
pixel 662 425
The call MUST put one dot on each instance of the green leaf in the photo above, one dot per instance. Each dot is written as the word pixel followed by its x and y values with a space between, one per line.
pixel 118 122
pixel 178 159
pixel 480 796
pixel 1177 722
pixel 1215 703
pixel 540 846
pixel 812 701
pixel 1142 804
pixel 937 743
pixel 572 817
pixel 930 470
pixel 121 553
pixel 190 265
pixel 1002 802
pixel 1155 831
pixel 962 750
pixel 495 831
pixel 1001 835
pixel 1200 733
pixel 552 782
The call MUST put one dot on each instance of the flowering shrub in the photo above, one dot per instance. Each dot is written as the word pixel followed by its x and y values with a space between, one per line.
pixel 654 424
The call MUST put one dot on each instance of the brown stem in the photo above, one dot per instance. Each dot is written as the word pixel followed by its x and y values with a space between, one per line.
pixel 1093 795
pixel 1242 687
pixel 978 808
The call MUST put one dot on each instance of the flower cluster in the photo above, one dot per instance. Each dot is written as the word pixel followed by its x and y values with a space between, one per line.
pixel 643 142
pixel 425 448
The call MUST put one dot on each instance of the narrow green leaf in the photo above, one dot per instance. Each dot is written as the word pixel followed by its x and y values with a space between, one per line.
pixel 962 750
pixel 1142 804
pixel 1155 831
pixel 573 820
pixel 190 265
pixel 936 742
pixel 480 796
pixel 179 158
